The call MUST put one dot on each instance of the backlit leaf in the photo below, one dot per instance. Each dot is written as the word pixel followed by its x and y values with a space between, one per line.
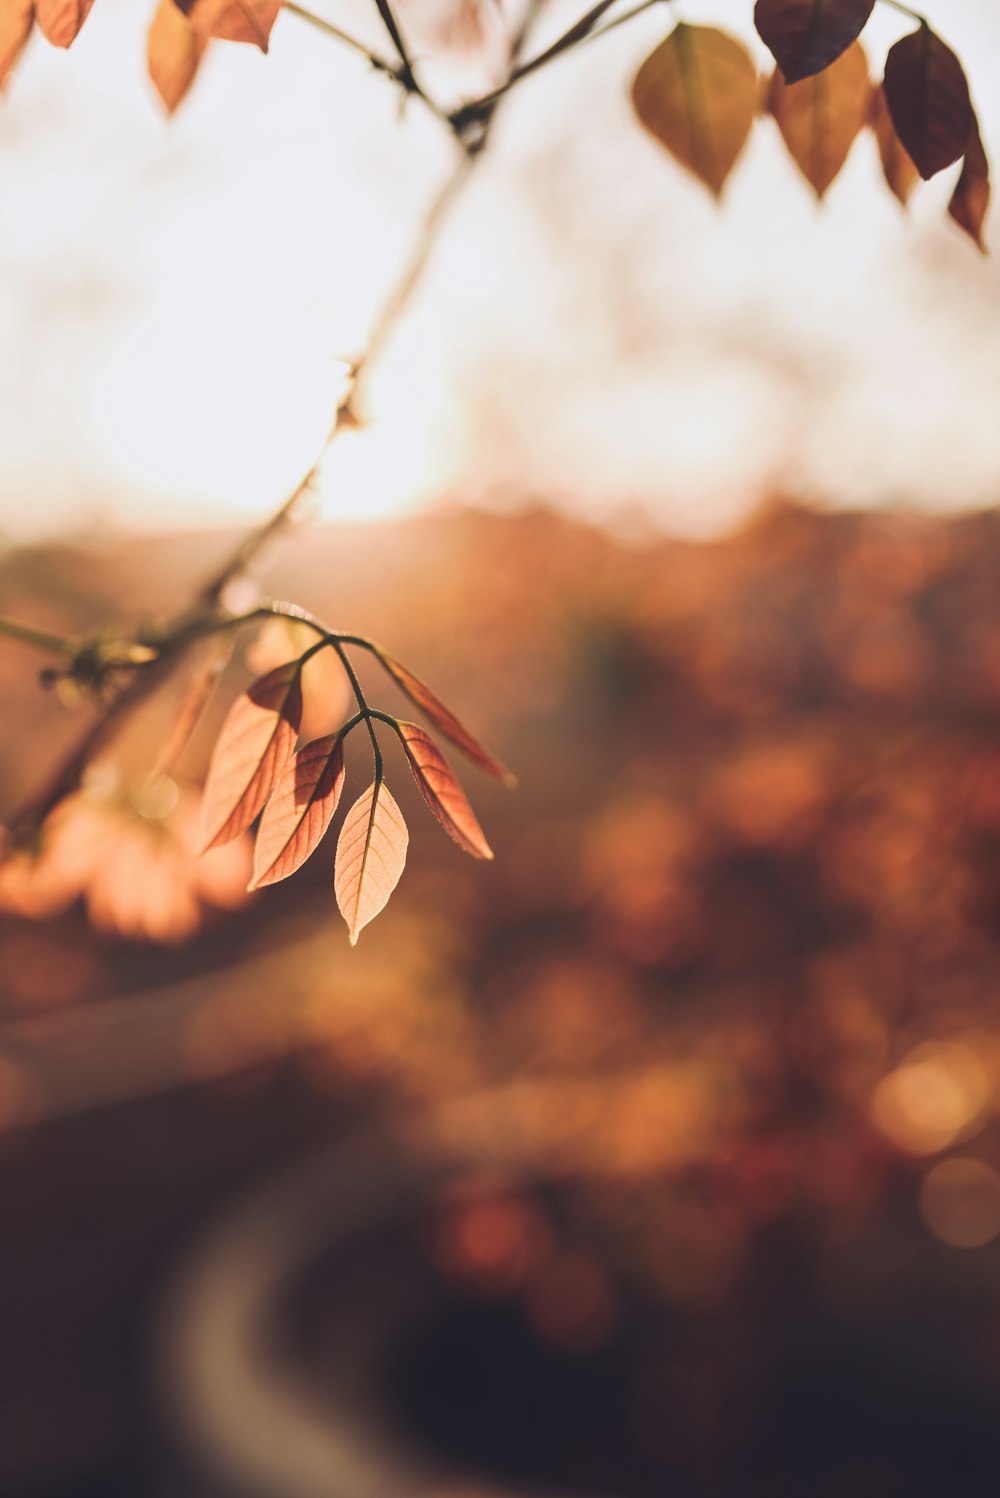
pixel 371 852
pixel 971 198
pixel 444 719
pixel 806 36
pixel 897 166
pixel 256 742
pixel 820 118
pixel 60 20
pixel 173 51
pixel 928 98
pixel 300 810
pixel 697 94
pixel 326 694
pixel 233 20
pixel 442 792
pixel 16 20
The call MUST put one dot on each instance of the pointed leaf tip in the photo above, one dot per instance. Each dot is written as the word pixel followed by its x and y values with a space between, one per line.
pixel 255 744
pixel 928 98
pixel 60 20
pixel 371 854
pixel 806 36
pixel 233 20
pixel 821 117
pixel 442 792
pixel 697 94
pixel 173 53
pixel 445 720
pixel 971 199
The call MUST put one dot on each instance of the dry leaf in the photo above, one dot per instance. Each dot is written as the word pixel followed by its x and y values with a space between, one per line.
pixel 806 36
pixel 16 20
pixel 897 166
pixel 442 792
pixel 971 198
pixel 256 742
pixel 60 20
pixel 371 852
pixel 173 51
pixel 300 810
pixel 444 719
pixel 821 117
pixel 928 97
pixel 697 94
pixel 233 20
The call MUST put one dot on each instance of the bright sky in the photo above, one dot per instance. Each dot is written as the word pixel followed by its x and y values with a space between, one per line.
pixel 174 297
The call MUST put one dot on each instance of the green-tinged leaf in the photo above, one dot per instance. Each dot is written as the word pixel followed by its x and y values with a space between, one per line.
pixel 371 853
pixel 16 20
pixel 256 743
pixel 821 117
pixel 971 198
pixel 300 810
pixel 60 20
pixel 233 20
pixel 806 36
pixel 173 52
pixel 897 165
pixel 444 719
pixel 928 97
pixel 697 94
pixel 441 790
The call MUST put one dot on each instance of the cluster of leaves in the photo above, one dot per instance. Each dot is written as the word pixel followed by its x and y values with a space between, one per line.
pixel 256 771
pixel 699 94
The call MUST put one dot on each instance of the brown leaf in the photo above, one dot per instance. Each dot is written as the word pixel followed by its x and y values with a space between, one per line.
pixel 442 792
pixel 971 198
pixel 299 811
pixel 60 20
pixel 16 20
pixel 256 742
pixel 928 98
pixel 697 94
pixel 444 719
pixel 173 51
pixel 233 20
pixel 371 852
pixel 897 167
pixel 821 117
pixel 806 36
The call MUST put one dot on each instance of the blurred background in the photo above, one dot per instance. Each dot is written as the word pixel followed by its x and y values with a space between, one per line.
pixel 660 1156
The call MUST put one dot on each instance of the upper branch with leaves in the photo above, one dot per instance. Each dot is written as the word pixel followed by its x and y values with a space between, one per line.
pixel 700 95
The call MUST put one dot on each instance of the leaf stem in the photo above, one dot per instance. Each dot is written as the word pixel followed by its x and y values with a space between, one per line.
pixel 42 639
pixel 905 10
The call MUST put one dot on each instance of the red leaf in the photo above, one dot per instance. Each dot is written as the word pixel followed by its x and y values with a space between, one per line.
pixel 928 98
pixel 697 94
pixel 233 20
pixel 443 718
pixel 971 197
pixel 442 792
pixel 173 51
pixel 256 742
pixel 897 167
pixel 371 852
pixel 16 20
pixel 60 20
pixel 299 811
pixel 821 117
pixel 806 36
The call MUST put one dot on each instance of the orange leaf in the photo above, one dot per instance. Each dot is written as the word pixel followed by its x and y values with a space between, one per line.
pixel 443 718
pixel 928 98
pixel 60 20
pixel 16 20
pixel 971 197
pixel 821 117
pixel 897 167
pixel 697 94
pixel 371 852
pixel 299 811
pixel 442 792
pixel 256 742
pixel 233 20
pixel 173 51
pixel 806 36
